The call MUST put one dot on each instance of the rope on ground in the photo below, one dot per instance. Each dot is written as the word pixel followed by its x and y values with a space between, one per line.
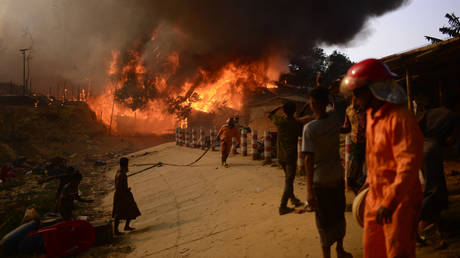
pixel 159 164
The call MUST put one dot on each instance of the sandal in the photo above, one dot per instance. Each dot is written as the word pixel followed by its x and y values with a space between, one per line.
pixel 309 207
pixel 296 202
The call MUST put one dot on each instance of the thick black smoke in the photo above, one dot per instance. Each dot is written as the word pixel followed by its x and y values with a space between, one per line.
pixel 219 31
pixel 73 40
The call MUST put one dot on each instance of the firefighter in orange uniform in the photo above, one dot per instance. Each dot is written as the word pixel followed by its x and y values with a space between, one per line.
pixel 226 133
pixel 394 151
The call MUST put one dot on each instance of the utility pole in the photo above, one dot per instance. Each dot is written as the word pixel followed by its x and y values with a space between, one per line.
pixel 29 80
pixel 24 50
pixel 114 83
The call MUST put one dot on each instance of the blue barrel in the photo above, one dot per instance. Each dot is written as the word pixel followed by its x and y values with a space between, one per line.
pixel 11 242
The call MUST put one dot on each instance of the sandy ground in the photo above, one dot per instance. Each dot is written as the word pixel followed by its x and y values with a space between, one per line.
pixel 210 211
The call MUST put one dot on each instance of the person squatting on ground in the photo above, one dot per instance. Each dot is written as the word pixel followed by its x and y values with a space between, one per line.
pixel 69 193
pixel 394 150
pixel 355 124
pixel 324 173
pixel 226 133
pixel 289 129
pixel 440 127
pixel 65 176
pixel 124 206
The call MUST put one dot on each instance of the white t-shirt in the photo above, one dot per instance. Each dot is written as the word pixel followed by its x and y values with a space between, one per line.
pixel 321 137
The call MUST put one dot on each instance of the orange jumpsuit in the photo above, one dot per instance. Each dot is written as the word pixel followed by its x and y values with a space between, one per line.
pixel 226 134
pixel 394 151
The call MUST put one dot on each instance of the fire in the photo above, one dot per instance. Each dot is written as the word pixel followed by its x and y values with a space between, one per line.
pixel 126 121
pixel 228 90
pixel 225 88
pixel 113 63
pixel 271 85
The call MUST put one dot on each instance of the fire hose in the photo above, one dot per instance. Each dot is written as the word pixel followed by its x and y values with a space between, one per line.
pixel 159 164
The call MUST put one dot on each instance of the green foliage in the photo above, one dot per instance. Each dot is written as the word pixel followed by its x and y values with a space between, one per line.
pixel 453 30
pixel 304 68
pixel 454 26
pixel 337 65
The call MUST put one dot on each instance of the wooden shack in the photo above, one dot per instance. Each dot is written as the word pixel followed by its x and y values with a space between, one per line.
pixel 265 101
pixel 431 72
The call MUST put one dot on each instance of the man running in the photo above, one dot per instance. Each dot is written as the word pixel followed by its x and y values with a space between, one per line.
pixel 226 133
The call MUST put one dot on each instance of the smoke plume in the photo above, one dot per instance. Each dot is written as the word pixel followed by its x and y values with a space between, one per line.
pixel 74 40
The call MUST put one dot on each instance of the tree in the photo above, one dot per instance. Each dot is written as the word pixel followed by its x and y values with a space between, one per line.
pixel 337 65
pixel 453 30
pixel 304 67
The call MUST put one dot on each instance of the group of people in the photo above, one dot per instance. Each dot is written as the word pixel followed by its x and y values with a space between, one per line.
pixel 324 172
pixel 386 136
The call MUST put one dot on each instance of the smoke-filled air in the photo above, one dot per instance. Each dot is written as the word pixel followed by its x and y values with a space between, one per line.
pixel 159 60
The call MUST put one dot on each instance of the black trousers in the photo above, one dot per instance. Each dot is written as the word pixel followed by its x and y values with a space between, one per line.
pixel 356 177
pixel 289 172
pixel 329 211
pixel 435 196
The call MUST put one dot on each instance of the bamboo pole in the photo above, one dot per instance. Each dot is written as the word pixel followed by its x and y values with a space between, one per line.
pixel 113 105
pixel 409 91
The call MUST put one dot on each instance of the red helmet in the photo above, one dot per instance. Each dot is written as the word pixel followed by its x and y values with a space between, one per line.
pixel 365 72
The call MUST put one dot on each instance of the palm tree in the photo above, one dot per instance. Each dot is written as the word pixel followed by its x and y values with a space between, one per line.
pixel 453 30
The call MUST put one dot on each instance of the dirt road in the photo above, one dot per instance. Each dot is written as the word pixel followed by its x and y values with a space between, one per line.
pixel 210 211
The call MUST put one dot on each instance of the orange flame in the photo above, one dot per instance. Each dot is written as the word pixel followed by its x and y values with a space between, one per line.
pixel 226 88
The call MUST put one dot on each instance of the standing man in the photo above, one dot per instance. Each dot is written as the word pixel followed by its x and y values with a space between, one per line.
pixel 289 129
pixel 439 126
pixel 355 124
pixel 124 206
pixel 394 151
pixel 226 133
pixel 324 173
